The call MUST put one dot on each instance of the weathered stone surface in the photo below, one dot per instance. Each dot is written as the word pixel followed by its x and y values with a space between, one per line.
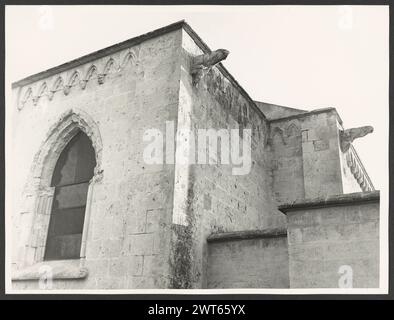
pixel 128 207
pixel 237 202
pixel 325 234
pixel 56 270
pixel 180 226
pixel 250 262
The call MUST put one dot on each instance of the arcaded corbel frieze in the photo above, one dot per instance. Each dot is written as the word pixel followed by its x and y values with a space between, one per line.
pixel 108 68
pixel 57 85
pixel 67 89
pixel 203 63
pixel 42 91
pixel 129 58
pixel 26 96
pixel 358 171
pixel 352 160
pixel 35 100
pixel 349 135
pixel 77 78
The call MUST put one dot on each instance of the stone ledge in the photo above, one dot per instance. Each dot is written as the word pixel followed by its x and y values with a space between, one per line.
pixel 248 234
pixel 61 270
pixel 335 200
pixel 309 113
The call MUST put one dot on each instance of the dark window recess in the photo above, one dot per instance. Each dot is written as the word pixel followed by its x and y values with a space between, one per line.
pixel 71 177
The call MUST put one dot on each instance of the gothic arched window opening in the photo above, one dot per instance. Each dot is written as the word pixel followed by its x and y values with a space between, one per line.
pixel 73 171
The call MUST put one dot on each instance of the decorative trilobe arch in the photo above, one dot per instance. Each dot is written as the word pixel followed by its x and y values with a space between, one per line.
pixel 74 79
pixel 58 84
pixel 129 59
pixel 26 96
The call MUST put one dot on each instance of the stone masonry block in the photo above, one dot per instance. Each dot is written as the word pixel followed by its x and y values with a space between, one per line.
pixel 320 145
pixel 313 234
pixel 295 235
pixel 153 218
pixel 118 227
pixel 307 147
pixel 332 216
pixel 304 135
pixel 100 228
pixel 142 244
pixel 118 266
pixel 135 265
pixel 136 222
pixel 149 265
pixel 370 229
pixel 111 248
pixel 307 252
pixel 94 249
pixel 141 282
pixel 98 268
pixel 308 218
pixel 313 135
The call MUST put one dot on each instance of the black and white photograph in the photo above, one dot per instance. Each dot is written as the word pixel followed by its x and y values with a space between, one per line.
pixel 196 149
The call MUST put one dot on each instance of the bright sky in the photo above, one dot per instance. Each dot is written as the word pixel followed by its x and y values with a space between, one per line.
pixel 299 56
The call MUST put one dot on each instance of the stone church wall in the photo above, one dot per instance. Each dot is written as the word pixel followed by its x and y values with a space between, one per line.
pixel 249 259
pixel 127 243
pixel 155 225
pixel 217 200
pixel 307 161
pixel 333 237
pixel 287 161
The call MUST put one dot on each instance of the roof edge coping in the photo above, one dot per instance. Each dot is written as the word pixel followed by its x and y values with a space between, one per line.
pixel 330 201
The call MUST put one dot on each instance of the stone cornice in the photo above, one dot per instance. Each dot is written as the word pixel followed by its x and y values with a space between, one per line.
pixel 248 234
pixel 98 54
pixel 119 47
pixel 309 113
pixel 332 201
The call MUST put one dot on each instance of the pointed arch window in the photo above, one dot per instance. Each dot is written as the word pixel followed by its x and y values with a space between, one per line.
pixel 73 171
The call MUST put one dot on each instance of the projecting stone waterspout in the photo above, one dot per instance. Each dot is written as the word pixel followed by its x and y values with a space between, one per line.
pixel 203 63
pixel 349 135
